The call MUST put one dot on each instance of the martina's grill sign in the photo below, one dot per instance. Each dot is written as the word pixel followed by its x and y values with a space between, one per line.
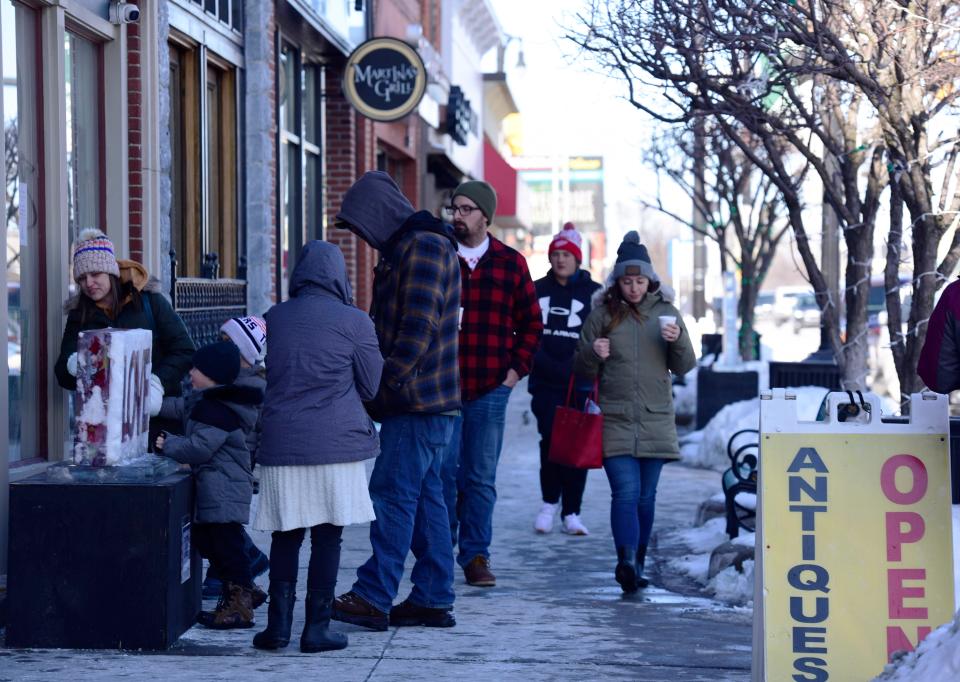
pixel 385 79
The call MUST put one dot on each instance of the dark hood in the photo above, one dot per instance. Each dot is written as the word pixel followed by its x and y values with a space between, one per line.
pixel 321 268
pixel 375 207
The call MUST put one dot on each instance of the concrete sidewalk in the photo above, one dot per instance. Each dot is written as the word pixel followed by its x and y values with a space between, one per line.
pixel 556 614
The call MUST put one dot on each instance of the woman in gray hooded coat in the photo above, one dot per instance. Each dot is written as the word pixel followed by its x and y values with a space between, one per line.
pixel 322 361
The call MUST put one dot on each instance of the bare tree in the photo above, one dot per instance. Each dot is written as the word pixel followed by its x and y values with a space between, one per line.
pixel 851 87
pixel 11 181
pixel 740 207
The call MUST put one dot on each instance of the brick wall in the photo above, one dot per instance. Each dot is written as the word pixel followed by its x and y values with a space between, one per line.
pixel 347 157
pixel 135 132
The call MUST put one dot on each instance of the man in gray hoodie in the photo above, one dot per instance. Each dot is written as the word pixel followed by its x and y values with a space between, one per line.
pixel 416 301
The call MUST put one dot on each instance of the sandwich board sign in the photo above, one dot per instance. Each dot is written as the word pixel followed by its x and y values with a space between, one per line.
pixel 854 542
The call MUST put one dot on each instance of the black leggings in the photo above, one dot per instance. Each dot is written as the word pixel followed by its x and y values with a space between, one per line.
pixel 223 545
pixel 558 483
pixel 324 556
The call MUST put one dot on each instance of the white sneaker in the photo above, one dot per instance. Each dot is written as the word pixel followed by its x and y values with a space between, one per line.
pixel 573 526
pixel 544 522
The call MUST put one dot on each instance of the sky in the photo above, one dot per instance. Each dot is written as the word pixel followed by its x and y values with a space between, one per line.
pixel 568 108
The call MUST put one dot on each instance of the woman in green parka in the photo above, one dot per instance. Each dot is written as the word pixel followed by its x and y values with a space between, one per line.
pixel 633 341
pixel 122 295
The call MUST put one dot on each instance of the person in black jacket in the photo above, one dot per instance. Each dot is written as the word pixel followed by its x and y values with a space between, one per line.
pixel 564 295
pixel 121 294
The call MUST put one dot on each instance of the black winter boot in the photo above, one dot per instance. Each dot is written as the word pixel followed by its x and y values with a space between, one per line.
pixel 626 571
pixel 641 559
pixel 279 616
pixel 316 634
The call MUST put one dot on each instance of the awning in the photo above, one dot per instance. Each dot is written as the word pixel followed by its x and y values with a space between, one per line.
pixel 511 209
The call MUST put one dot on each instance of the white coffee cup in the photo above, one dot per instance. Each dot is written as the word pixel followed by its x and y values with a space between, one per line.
pixel 667 319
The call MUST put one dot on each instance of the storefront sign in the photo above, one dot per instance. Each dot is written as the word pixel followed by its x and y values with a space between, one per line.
pixel 854 541
pixel 385 79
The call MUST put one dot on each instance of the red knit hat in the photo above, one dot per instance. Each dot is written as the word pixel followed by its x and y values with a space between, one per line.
pixel 568 239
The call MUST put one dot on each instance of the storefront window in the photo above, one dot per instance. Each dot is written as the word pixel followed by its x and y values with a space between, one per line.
pixel 300 111
pixel 83 154
pixel 211 181
pixel 22 183
pixel 291 237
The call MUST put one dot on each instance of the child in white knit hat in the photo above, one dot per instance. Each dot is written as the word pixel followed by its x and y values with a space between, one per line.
pixel 249 335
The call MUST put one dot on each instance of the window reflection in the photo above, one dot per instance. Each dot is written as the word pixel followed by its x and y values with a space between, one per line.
pixel 81 90
pixel 22 182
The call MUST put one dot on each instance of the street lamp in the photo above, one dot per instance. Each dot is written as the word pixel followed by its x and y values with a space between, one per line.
pixel 502 50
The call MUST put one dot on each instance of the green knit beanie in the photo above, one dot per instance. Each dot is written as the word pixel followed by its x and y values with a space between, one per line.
pixel 480 193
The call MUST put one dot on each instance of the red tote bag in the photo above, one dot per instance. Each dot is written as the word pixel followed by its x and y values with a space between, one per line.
pixel 577 436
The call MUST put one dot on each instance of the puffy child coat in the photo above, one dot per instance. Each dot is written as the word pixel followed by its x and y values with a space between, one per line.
pixel 216 424
pixel 636 393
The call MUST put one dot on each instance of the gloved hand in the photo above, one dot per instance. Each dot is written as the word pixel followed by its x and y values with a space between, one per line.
pixel 72 364
pixel 155 398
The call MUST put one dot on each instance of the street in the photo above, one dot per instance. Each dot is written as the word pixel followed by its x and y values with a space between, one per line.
pixel 556 613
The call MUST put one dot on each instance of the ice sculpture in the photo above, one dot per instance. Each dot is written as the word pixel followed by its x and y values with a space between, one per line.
pixel 113 382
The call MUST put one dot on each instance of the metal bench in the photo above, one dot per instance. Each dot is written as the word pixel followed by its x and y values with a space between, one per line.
pixel 204 303
pixel 743 449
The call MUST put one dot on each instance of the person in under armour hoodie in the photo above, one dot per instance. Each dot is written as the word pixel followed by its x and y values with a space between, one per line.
pixel 564 295
pixel 416 301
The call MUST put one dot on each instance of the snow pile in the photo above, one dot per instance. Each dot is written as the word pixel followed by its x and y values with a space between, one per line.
pixel 712 450
pixel 732 586
pixel 937 659
pixel 685 394
pixel 729 585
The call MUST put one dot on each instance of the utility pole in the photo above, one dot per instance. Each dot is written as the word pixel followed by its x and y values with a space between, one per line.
pixel 830 244
pixel 699 220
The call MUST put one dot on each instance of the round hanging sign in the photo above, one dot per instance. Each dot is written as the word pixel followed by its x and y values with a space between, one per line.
pixel 385 79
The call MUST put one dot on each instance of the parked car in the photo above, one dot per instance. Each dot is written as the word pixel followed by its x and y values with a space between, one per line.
pixel 765 305
pixel 784 300
pixel 806 312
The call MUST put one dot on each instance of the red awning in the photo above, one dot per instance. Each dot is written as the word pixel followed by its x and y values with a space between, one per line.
pixel 503 177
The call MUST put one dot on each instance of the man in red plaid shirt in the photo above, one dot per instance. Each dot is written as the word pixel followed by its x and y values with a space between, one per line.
pixel 500 330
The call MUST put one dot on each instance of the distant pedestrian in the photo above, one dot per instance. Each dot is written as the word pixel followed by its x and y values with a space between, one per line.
pixel 416 296
pixel 939 364
pixel 322 362
pixel 499 333
pixel 633 342
pixel 249 335
pixel 564 295
pixel 216 418
pixel 122 294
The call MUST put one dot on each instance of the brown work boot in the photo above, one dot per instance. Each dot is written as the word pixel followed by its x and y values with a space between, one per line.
pixel 234 610
pixel 477 572
pixel 352 608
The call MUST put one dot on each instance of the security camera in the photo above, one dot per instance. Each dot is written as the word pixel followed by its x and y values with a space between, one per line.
pixel 124 13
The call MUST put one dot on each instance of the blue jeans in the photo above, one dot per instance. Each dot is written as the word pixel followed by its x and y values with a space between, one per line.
pixel 633 484
pixel 470 473
pixel 407 496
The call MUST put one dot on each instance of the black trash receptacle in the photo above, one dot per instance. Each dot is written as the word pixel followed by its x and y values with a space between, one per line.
pixel 101 566
pixel 715 390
